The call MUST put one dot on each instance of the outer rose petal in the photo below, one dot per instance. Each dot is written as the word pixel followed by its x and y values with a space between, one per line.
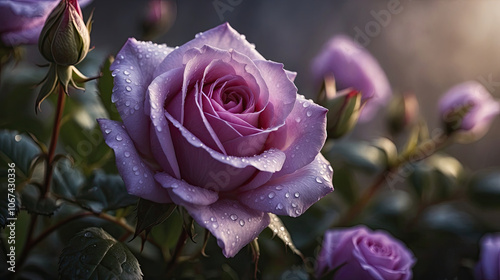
pixel 293 193
pixel 136 174
pixel 302 136
pixel 222 37
pixel 182 193
pixel 133 70
pixel 234 225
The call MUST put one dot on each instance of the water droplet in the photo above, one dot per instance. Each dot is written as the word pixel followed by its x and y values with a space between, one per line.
pixel 279 188
pixel 135 168
pixel 213 219
pixel 287 195
pixel 128 88
pixel 128 80
pixel 294 205
pixel 296 194
pixel 87 234
pixel 271 195
pixel 297 119
pixel 243 37
pixel 242 223
pixel 233 217
pixel 318 180
pixel 126 72
pixel 119 137
pixel 305 104
pixel 215 225
pixel 107 131
pixel 121 56
pixel 127 154
pixel 279 206
pixel 330 168
pixel 127 103
pixel 298 211
pixel 309 113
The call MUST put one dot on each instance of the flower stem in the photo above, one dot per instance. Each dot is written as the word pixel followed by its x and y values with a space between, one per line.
pixel 181 242
pixel 421 152
pixel 53 143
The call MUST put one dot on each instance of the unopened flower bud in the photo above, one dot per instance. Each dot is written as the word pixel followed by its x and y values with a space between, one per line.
pixel 467 110
pixel 402 112
pixel 159 17
pixel 344 108
pixel 353 67
pixel 65 38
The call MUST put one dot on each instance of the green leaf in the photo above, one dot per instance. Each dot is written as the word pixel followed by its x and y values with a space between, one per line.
pixel 105 86
pixel 484 189
pixel 150 214
pixel 388 148
pixel 279 229
pixel 33 201
pixel 94 254
pixel 362 155
pixel 448 173
pixel 18 148
pixel 10 208
pixel 105 192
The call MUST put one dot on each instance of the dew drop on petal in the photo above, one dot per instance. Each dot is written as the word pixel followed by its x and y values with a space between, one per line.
pixel 279 206
pixel 242 223
pixel 318 180
pixel 296 194
pixel 126 72
pixel 127 154
pixel 119 137
pixel 107 131
pixel 233 217
pixel 309 113
pixel 271 195
pixel 297 119
pixel 305 104
pixel 128 88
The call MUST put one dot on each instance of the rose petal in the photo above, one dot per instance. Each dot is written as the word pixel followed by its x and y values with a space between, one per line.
pixel 222 37
pixel 138 177
pixel 294 193
pixel 133 70
pixel 184 194
pixel 233 224
pixel 163 86
pixel 270 160
pixel 282 92
pixel 302 136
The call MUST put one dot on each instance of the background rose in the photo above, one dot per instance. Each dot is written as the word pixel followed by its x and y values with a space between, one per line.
pixel 21 21
pixel 353 66
pixel 216 128
pixel 360 253
pixel 487 266
pixel 468 108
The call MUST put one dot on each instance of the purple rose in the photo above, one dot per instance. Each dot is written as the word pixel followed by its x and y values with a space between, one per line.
pixel 487 266
pixel 353 67
pixel 468 109
pixel 360 253
pixel 216 128
pixel 21 21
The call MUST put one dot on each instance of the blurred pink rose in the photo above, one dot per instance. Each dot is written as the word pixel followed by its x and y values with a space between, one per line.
pixel 216 128
pixel 489 260
pixel 352 66
pixel 360 253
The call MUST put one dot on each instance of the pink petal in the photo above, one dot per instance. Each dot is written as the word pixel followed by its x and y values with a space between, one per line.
pixel 184 194
pixel 133 70
pixel 234 225
pixel 222 37
pixel 136 174
pixel 282 92
pixel 160 89
pixel 294 193
pixel 302 136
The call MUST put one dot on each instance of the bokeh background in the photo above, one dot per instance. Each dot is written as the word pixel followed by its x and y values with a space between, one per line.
pixel 425 47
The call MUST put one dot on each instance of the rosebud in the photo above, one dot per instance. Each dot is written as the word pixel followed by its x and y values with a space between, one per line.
pixel 402 112
pixel 343 107
pixel 353 67
pixel 467 110
pixel 159 17
pixel 65 38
